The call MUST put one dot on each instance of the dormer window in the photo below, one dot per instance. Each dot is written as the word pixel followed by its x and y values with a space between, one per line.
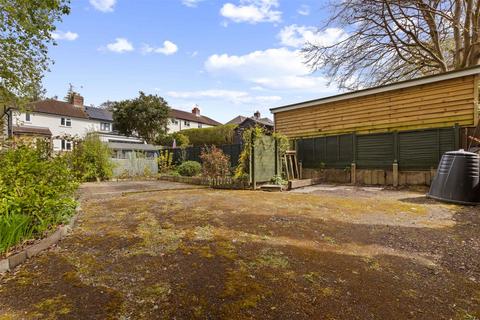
pixel 66 122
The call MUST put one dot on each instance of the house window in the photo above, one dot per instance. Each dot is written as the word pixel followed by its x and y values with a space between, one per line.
pixel 66 145
pixel 199 125
pixel 175 121
pixel 105 126
pixel 27 117
pixel 186 123
pixel 67 122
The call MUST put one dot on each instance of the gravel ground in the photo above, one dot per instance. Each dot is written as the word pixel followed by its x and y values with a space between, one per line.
pixel 160 250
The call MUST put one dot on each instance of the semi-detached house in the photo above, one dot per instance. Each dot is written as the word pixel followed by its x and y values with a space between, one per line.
pixel 65 121
pixel 62 122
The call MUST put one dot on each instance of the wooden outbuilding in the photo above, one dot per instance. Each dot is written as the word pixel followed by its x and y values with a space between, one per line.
pixel 392 132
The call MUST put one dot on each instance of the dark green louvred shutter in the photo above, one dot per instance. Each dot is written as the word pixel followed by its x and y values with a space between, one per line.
pixel 375 150
pixel 423 149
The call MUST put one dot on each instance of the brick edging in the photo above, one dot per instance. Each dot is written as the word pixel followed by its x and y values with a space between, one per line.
pixel 11 262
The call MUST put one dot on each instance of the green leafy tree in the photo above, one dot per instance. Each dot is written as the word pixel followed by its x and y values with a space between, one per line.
pixel 27 28
pixel 146 116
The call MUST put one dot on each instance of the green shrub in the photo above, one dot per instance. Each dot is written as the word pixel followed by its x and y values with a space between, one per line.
pixel 189 168
pixel 215 163
pixel 36 193
pixel 218 135
pixel 90 160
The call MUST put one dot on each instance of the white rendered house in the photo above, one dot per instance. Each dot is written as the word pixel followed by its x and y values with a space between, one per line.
pixel 181 120
pixel 62 121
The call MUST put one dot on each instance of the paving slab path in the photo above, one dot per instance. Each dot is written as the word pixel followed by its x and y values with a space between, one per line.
pixel 163 250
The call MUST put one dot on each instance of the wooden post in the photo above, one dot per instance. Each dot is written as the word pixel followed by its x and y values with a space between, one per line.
pixel 456 129
pixel 252 161
pixel 286 166
pixel 276 157
pixel 395 174
pixel 475 100
pixel 353 173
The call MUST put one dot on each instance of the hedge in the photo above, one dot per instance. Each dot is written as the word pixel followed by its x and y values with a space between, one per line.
pixel 218 135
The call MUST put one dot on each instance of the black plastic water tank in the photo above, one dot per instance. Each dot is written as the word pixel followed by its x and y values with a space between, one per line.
pixel 457 179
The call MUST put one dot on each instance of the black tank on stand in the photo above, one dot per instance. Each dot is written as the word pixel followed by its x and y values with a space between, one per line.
pixel 457 179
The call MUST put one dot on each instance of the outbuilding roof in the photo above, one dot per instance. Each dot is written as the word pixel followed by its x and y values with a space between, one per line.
pixel 389 87
pixel 32 130
pixel 132 146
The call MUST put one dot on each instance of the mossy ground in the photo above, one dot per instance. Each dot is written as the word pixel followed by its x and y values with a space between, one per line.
pixel 212 254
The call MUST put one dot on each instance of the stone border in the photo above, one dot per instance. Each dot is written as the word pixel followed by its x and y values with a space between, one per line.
pixel 11 262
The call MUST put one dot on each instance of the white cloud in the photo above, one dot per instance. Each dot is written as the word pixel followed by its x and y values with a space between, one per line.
pixel 278 69
pixel 252 11
pixel 298 36
pixel 304 10
pixel 120 45
pixel 233 96
pixel 103 5
pixel 68 36
pixel 168 48
pixel 191 3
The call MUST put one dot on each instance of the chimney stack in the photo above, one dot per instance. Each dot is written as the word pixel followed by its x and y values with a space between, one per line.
pixel 76 100
pixel 256 115
pixel 196 111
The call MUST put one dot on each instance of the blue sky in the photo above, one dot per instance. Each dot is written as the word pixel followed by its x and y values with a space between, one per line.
pixel 230 57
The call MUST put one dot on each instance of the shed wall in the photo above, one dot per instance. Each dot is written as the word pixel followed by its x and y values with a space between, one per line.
pixel 434 105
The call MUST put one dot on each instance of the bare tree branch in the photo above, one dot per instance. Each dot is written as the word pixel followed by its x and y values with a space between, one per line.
pixel 393 40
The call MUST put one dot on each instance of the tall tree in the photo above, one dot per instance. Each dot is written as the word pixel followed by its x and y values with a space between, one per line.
pixel 26 28
pixel 392 40
pixel 146 116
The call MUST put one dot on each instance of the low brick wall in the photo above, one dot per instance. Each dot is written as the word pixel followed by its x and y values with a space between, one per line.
pixel 370 176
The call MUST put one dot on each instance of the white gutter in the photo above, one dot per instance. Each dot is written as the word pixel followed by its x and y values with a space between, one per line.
pixel 375 90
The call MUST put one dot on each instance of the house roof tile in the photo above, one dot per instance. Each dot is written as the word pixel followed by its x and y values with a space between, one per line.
pixel 61 108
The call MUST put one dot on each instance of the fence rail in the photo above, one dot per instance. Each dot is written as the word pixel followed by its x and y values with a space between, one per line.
pixel 420 149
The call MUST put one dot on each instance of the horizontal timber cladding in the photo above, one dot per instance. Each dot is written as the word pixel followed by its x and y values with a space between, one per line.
pixel 419 149
pixel 433 105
